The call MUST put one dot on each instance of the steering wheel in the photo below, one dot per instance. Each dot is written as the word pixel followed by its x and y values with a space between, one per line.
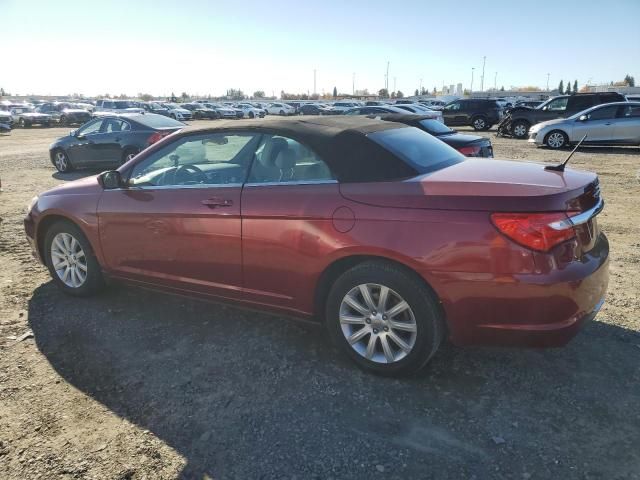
pixel 194 174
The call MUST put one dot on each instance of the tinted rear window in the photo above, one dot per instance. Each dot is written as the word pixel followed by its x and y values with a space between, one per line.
pixel 158 121
pixel 435 127
pixel 422 151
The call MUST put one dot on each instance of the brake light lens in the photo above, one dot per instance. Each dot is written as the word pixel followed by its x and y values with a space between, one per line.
pixel 471 151
pixel 156 137
pixel 537 231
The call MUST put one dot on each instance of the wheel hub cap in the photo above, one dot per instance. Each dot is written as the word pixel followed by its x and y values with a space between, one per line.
pixel 69 260
pixel 378 323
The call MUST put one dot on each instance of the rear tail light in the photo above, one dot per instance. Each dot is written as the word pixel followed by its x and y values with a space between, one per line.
pixel 156 137
pixel 470 151
pixel 537 231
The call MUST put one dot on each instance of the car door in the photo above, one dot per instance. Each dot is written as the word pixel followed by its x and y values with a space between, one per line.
pixel 83 152
pixel 109 141
pixel 626 127
pixel 287 208
pixel 177 223
pixel 453 114
pixel 598 125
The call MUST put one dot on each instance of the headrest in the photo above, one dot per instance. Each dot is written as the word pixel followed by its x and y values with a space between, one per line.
pixel 286 159
pixel 272 149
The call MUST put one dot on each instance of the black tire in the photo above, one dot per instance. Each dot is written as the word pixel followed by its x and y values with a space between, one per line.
pixel 47 124
pixel 127 153
pixel 556 139
pixel 63 120
pixel 251 115
pixel 23 123
pixel 94 280
pixel 61 161
pixel 520 129
pixel 480 123
pixel 430 327
pixel 282 113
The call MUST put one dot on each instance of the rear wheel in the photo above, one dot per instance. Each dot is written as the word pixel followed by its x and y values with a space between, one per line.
pixel 479 123
pixel 384 319
pixel 282 113
pixel 23 123
pixel 556 139
pixel 128 154
pixel 71 261
pixel 63 120
pixel 520 129
pixel 61 161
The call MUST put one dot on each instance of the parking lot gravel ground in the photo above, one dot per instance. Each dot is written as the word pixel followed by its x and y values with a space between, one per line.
pixel 139 385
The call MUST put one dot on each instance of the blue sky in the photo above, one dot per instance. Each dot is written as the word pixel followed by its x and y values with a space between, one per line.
pixel 60 47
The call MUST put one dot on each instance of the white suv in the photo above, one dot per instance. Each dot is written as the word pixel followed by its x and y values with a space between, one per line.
pixel 280 109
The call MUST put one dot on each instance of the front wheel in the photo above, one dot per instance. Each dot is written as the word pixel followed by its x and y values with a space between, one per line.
pixel 61 161
pixel 520 129
pixel 282 113
pixel 128 154
pixel 71 261
pixel 63 120
pixel 384 318
pixel 556 139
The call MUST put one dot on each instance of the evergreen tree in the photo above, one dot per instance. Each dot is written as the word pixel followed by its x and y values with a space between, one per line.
pixel 575 86
pixel 335 92
pixel 568 90
pixel 561 88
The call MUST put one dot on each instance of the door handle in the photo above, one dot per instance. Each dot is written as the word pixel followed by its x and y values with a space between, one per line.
pixel 217 202
pixel 609 123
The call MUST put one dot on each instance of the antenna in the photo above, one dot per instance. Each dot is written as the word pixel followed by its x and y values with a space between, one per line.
pixel 560 168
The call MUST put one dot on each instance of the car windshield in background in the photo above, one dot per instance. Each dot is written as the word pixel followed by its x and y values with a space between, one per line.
pixel 435 127
pixel 158 121
pixel 419 149
pixel 124 104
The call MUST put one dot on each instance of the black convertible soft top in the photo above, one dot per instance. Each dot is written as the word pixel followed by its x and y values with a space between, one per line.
pixel 341 141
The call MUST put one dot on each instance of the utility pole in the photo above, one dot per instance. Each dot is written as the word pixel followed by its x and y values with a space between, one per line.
pixel 484 61
pixel 472 70
pixel 420 91
pixel 314 81
pixel 495 81
pixel 386 85
pixel 353 84
pixel 394 84
pixel 548 81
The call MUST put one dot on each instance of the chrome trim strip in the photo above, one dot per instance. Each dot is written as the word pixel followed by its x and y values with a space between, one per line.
pixel 134 188
pixel 295 182
pixel 587 215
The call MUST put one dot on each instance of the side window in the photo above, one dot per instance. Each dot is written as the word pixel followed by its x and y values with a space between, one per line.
pixel 282 160
pixel 452 107
pixel 603 113
pixel 557 105
pixel 112 125
pixel 579 103
pixel 205 159
pixel 630 111
pixel 90 128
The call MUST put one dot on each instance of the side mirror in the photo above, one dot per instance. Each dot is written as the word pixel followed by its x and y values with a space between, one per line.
pixel 583 118
pixel 72 133
pixel 110 180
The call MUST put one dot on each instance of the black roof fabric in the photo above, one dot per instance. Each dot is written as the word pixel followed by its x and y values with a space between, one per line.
pixel 340 141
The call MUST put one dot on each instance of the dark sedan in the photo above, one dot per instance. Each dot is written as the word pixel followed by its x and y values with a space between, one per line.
pixel 155 107
pixel 65 113
pixel 201 111
pixel 389 237
pixel 315 109
pixel 110 141
pixel 468 145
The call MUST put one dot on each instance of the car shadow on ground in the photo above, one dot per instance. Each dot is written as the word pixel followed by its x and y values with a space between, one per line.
pixel 247 395
pixel 76 174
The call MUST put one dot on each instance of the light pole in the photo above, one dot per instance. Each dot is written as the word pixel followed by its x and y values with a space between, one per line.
pixel 386 86
pixel 495 82
pixel 314 81
pixel 548 81
pixel 484 60
pixel 420 91
pixel 394 84
pixel 353 84
pixel 472 71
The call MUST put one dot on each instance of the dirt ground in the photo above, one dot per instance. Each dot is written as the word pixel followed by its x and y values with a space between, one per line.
pixel 138 385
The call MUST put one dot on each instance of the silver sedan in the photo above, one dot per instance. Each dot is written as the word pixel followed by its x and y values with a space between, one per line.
pixel 607 124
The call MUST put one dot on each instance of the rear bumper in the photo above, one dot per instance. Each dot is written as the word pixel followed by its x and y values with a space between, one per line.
pixel 533 310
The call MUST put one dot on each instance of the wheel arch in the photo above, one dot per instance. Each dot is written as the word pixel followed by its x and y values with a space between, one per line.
pixel 340 265
pixel 45 223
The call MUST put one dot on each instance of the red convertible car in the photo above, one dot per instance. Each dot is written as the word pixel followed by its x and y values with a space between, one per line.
pixel 387 235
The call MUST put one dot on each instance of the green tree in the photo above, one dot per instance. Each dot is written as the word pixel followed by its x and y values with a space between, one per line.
pixel 173 98
pixel 399 94
pixel 184 96
pixel 417 92
pixel 383 93
pixel 575 86
pixel 145 97
pixel 568 89
pixel 502 88
pixel 435 90
pixel 335 92
pixel 258 94
pixel 423 91
pixel 629 80
pixel 561 88
pixel 2 92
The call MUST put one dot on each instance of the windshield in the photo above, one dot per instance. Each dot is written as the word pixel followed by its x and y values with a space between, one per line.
pixel 158 121
pixel 121 105
pixel 417 148
pixel 435 127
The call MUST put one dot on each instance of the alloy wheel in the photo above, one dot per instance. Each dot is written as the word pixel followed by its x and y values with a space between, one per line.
pixel 555 140
pixel 69 260
pixel 519 130
pixel 130 156
pixel 378 323
pixel 60 159
pixel 479 123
